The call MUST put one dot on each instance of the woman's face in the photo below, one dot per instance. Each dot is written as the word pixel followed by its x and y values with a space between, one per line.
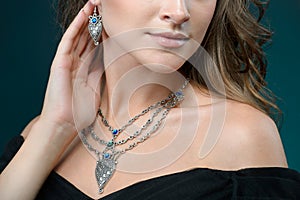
pixel 170 25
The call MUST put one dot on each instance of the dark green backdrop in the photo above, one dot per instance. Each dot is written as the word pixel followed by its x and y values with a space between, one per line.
pixel 29 38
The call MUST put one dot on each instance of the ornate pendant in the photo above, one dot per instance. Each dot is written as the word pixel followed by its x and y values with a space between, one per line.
pixel 95 26
pixel 105 168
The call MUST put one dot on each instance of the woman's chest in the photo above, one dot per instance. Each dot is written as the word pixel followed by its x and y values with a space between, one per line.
pixel 78 167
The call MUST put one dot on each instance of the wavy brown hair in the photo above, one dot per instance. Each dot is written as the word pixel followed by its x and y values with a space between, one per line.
pixel 235 41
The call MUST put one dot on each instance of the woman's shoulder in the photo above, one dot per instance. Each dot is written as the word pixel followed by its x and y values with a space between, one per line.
pixel 245 120
pixel 249 138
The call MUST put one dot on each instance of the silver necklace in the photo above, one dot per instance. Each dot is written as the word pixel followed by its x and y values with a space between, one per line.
pixel 107 159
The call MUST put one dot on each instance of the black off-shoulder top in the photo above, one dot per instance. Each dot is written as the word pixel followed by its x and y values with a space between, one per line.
pixel 269 183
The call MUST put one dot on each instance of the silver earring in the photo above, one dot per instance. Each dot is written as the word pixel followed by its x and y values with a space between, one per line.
pixel 95 26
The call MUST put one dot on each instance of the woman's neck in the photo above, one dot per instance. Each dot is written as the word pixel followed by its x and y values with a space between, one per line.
pixel 131 89
pixel 130 86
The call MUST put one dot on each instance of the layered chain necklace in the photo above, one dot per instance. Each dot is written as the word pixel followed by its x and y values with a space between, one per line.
pixel 107 159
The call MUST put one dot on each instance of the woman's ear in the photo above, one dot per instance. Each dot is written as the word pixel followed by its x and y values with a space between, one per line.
pixel 97 3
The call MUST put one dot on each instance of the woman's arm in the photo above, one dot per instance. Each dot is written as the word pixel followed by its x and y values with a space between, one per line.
pixel 48 136
pixel 27 171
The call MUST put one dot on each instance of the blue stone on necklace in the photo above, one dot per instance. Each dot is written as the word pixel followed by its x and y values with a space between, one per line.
pixel 179 93
pixel 115 131
pixel 106 155
pixel 110 144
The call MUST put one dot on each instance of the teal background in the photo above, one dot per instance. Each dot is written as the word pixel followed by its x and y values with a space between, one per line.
pixel 29 37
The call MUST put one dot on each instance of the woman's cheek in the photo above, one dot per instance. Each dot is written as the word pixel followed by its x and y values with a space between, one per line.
pixel 200 23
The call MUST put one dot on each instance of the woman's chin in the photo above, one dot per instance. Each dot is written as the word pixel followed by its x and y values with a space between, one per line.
pixel 158 61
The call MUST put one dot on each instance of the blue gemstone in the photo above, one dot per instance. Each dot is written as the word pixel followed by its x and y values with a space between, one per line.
pixel 106 155
pixel 178 93
pixel 94 20
pixel 110 144
pixel 115 132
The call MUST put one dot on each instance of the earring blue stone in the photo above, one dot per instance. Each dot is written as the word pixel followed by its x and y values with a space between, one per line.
pixel 95 26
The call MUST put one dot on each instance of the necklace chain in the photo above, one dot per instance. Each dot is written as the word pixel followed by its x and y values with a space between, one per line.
pixel 95 137
pixel 107 159
pixel 171 101
pixel 116 132
pixel 173 97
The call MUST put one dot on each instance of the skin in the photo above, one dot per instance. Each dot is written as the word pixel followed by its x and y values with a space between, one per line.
pixel 49 139
pixel 190 18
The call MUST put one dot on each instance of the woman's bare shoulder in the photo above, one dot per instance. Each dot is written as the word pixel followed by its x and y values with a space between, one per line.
pixel 249 138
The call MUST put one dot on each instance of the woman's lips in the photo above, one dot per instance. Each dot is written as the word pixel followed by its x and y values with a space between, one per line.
pixel 169 39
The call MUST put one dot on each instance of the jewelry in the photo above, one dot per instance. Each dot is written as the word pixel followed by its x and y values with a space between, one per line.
pixel 116 132
pixel 95 26
pixel 107 159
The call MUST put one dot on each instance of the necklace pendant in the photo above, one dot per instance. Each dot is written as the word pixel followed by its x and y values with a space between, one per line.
pixel 105 169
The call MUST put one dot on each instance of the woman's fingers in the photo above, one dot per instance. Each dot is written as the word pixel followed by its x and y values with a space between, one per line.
pixel 83 41
pixel 84 36
pixel 88 48
pixel 88 63
pixel 72 34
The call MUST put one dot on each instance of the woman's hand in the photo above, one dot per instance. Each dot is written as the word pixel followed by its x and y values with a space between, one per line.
pixel 71 86
pixel 71 98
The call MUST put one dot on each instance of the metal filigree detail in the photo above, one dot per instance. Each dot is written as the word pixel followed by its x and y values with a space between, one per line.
pixel 105 168
pixel 95 26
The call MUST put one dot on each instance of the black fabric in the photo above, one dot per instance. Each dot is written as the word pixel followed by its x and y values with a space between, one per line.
pixel 271 183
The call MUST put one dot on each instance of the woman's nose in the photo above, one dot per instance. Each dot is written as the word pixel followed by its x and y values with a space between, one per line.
pixel 174 11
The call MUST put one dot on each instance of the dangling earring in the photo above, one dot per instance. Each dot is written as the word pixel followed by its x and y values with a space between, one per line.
pixel 95 26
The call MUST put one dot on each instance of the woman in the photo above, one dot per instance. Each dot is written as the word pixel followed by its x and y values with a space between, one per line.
pixel 228 148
